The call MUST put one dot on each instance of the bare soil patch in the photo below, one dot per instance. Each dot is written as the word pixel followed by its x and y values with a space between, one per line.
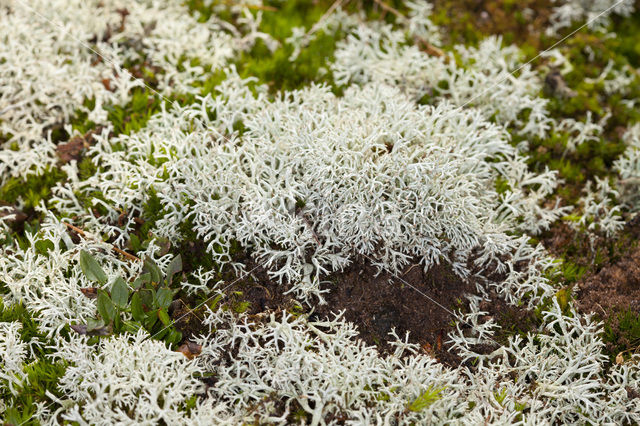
pixel 611 291
pixel 378 302
pixel 616 286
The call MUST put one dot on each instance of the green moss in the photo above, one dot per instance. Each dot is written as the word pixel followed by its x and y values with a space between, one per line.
pixel 622 332
pixel 502 185
pixel 626 42
pixel 571 272
pixel 152 212
pixel 241 307
pixel 80 121
pixel 33 189
pixel 136 113
pixel 86 168
pixel 275 69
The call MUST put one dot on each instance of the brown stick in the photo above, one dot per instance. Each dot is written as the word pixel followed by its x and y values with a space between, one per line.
pixel 113 247
pixel 191 311
pixel 426 46
pixel 329 11
pixel 390 9
pixel 429 48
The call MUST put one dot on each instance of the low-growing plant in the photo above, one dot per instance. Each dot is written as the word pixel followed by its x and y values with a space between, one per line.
pixel 144 303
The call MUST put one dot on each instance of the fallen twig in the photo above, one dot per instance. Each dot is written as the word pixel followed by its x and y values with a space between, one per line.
pixel 328 13
pixel 390 9
pixel 113 247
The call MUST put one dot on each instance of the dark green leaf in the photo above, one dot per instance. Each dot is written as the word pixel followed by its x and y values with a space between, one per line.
pixel 117 322
pixel 160 334
pixel 136 308
pixel 135 242
pixel 131 326
pixel 147 296
pixel 174 267
pixel 93 323
pixel 141 280
pixel 151 267
pixel 150 320
pixel 174 336
pixel 164 317
pixel 164 296
pixel 120 293
pixel 91 268
pixel 105 307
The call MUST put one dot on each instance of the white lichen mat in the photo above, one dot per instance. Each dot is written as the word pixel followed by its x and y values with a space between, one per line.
pixel 306 182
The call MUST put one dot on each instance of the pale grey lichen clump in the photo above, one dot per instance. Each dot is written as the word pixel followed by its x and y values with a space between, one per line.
pixel 50 65
pixel 596 13
pixel 326 178
pixel 306 182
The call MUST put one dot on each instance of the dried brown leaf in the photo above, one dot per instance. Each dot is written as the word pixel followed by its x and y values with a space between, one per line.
pixel 190 349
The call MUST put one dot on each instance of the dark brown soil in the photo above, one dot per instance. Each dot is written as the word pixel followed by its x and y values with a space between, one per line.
pixel 263 294
pixel 612 280
pixel 255 295
pixel 377 302
pixel 611 289
pixel 614 289
pixel 419 303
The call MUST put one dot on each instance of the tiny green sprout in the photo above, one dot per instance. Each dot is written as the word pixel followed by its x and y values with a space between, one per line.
pixel 427 398
pixel 563 296
pixel 241 307
pixel 213 305
pixel 520 406
pixel 500 396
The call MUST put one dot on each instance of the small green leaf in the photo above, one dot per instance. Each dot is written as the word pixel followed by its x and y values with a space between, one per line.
pixel 500 396
pixel 131 326
pixel 164 296
pixel 105 307
pixel 141 280
pixel 136 308
pixel 150 320
pixel 117 322
pixel 91 268
pixel 135 242
pixel 164 317
pixel 174 267
pixel 120 293
pixel 160 334
pixel 147 296
pixel 174 337
pixel 151 267
pixel 214 304
pixel 44 246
